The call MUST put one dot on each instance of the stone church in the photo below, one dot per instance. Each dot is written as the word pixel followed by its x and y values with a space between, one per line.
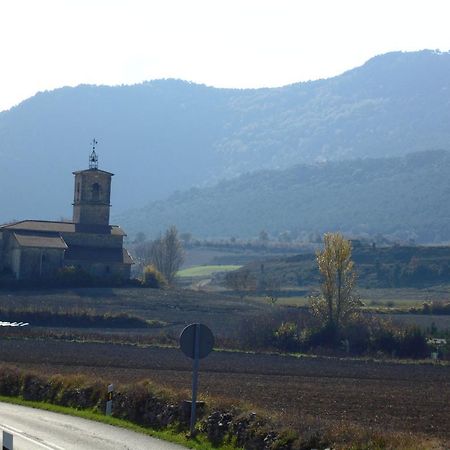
pixel 37 249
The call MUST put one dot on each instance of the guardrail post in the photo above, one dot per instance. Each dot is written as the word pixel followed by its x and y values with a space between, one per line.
pixel 7 441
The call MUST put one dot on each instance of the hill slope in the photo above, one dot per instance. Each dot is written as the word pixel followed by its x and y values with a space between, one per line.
pixel 404 196
pixel 165 135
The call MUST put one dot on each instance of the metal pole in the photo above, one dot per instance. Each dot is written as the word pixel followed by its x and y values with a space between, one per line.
pixel 195 375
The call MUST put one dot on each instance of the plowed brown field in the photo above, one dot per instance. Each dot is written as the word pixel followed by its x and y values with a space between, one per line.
pixel 393 396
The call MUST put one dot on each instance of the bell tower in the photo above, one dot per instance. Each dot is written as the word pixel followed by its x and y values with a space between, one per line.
pixel 92 193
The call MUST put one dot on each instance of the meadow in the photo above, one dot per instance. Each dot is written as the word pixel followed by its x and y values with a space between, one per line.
pixel 206 271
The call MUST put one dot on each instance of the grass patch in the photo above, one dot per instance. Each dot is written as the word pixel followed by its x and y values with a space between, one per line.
pixel 171 435
pixel 203 271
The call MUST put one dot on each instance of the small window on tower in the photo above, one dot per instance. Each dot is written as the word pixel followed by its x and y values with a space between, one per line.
pixel 95 192
pixel 78 191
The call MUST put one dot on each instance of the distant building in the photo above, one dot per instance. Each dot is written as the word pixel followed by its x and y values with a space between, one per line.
pixel 36 249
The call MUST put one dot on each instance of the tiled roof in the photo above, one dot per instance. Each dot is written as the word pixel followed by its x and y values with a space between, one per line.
pixel 97 254
pixel 40 240
pixel 63 227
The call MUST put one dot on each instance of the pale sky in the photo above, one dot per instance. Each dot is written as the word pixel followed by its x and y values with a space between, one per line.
pixel 47 44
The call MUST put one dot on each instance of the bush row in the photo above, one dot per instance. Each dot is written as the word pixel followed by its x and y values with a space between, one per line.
pixel 435 308
pixel 363 335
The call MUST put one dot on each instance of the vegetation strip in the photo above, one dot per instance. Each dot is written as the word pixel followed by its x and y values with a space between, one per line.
pixel 74 318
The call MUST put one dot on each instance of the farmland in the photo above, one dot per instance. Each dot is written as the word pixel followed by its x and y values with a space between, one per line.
pixel 222 312
pixel 407 397
pixel 176 308
pixel 303 393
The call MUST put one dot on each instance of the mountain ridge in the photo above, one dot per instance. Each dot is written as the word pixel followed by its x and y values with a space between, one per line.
pixel 401 197
pixel 169 135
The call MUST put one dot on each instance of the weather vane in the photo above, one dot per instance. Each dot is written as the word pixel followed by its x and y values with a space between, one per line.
pixel 93 158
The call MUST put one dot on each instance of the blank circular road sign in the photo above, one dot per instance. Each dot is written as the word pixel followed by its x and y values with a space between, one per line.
pixel 205 340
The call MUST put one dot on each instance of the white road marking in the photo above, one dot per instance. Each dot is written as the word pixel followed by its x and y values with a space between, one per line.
pixel 23 435
pixel 15 430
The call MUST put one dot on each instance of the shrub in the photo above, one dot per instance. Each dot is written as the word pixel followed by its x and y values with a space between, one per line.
pixel 35 388
pixel 320 337
pixel 259 332
pixel 286 337
pixel 413 344
pixel 435 307
pixel 384 340
pixel 358 333
pixel 73 276
pixel 153 278
pixel 10 382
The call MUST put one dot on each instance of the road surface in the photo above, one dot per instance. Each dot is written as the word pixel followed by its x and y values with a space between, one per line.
pixel 35 429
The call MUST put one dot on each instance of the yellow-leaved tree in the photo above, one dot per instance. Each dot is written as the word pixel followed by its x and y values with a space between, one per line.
pixel 337 302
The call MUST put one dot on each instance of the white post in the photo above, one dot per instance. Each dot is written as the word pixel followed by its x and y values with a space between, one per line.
pixel 7 441
pixel 109 399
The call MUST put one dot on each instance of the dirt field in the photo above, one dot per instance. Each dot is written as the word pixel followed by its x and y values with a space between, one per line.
pixel 175 307
pixel 396 397
pixel 298 392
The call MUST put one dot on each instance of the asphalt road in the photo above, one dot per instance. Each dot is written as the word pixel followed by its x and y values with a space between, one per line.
pixel 35 429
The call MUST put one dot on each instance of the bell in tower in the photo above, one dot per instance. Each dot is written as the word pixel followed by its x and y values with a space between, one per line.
pixel 92 193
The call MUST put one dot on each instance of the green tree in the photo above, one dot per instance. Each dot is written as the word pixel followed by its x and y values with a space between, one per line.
pixel 167 254
pixel 337 302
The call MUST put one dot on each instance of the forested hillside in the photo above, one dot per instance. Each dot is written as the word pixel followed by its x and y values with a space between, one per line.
pixel 165 135
pixel 403 197
pixel 377 267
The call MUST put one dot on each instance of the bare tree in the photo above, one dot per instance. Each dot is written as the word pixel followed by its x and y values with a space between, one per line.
pixel 240 280
pixel 167 254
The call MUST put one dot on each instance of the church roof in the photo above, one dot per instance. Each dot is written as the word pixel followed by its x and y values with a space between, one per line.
pixel 93 170
pixel 40 240
pixel 63 227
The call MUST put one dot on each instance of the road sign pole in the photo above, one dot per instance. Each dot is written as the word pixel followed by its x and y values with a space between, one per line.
pixel 195 375
pixel 196 342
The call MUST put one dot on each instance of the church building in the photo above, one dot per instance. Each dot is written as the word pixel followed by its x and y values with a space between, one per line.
pixel 37 249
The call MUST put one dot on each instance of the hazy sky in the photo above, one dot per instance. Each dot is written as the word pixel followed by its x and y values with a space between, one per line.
pixel 231 43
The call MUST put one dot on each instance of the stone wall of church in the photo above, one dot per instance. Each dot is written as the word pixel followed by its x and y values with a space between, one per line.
pixel 10 260
pixel 91 214
pixel 104 270
pixel 92 197
pixel 38 263
pixel 93 240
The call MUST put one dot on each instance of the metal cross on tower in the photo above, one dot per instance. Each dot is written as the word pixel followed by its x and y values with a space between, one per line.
pixel 93 158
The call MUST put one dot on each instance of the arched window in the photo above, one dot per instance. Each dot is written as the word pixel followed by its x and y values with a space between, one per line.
pixel 95 192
